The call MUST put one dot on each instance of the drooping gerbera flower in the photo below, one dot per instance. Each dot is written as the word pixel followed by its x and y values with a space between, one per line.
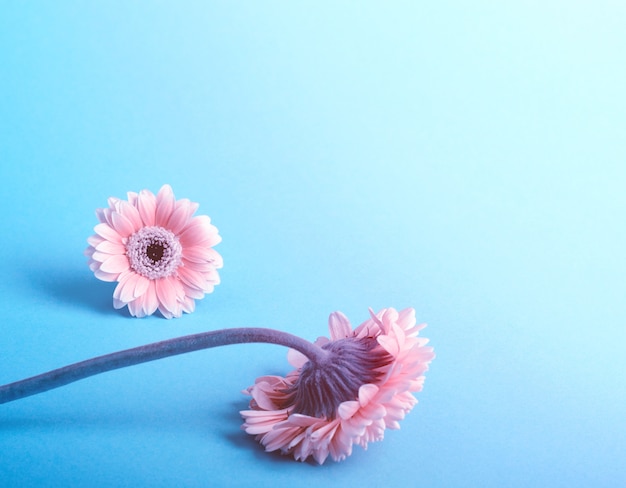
pixel 362 388
pixel 158 252
pixel 346 390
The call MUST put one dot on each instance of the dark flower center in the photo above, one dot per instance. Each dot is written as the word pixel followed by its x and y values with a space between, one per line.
pixel 154 252
pixel 351 363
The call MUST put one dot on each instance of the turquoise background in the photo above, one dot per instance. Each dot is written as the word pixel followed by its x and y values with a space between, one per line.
pixel 467 159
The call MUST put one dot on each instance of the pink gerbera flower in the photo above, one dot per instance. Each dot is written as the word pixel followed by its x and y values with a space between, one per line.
pixel 158 252
pixel 365 387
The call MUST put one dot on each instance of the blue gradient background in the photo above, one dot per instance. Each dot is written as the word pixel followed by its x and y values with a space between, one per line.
pixel 467 159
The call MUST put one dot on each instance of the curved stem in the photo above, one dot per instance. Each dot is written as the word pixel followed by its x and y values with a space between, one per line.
pixel 158 350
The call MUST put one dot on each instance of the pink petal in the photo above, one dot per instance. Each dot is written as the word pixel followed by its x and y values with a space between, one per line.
pixel 215 258
pixel 347 409
pixel 259 416
pixel 188 305
pixel 109 247
pixel 94 240
pixel 399 334
pixel 367 393
pixel 192 278
pixel 150 299
pixel 115 264
pixel 108 233
pixel 135 308
pixel 339 326
pixel 279 437
pixel 100 214
pixel 125 290
pixel 142 286
pixel 122 225
pixel 193 292
pixel 389 343
pixel 197 254
pixel 168 291
pixel 406 318
pixel 166 313
pixel 181 215
pixel 261 397
pixel 113 201
pixel 209 288
pixel 374 411
pixel 321 455
pixel 132 214
pixel 146 205
pixel 132 198
pixel 202 268
pixel 296 358
pixel 100 256
pixel 257 429
pixel 302 420
pixel 165 293
pixel 200 232
pixel 101 275
pixel 165 205
pixel 325 432
pixel 376 317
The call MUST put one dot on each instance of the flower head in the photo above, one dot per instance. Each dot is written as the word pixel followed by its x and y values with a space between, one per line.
pixel 158 252
pixel 364 386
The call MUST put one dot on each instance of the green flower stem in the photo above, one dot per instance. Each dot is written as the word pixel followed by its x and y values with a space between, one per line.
pixel 158 350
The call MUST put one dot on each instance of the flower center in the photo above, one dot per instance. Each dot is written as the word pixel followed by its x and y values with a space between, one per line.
pixel 154 252
pixel 351 363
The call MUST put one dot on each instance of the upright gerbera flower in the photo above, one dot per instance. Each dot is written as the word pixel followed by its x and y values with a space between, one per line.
pixel 158 252
pixel 362 388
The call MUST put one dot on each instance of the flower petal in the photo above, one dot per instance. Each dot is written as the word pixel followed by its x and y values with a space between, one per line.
pixel 296 358
pixel 166 293
pixel 141 286
pixel 193 278
pixel 146 205
pixel 199 231
pixel 193 292
pixel 110 247
pixel 94 240
pixel 131 196
pixel 181 215
pixel 150 299
pixel 367 394
pixel 165 205
pixel 135 309
pixel 339 326
pixel 108 233
pixel 122 225
pixel 199 254
pixel 389 343
pixel 132 214
pixel 115 264
pixel 104 276
pixel 125 290
pixel 188 304
pixel 170 293
pixel 347 409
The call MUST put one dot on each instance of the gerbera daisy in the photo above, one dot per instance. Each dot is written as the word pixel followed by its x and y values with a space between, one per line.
pixel 347 389
pixel 363 388
pixel 158 252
